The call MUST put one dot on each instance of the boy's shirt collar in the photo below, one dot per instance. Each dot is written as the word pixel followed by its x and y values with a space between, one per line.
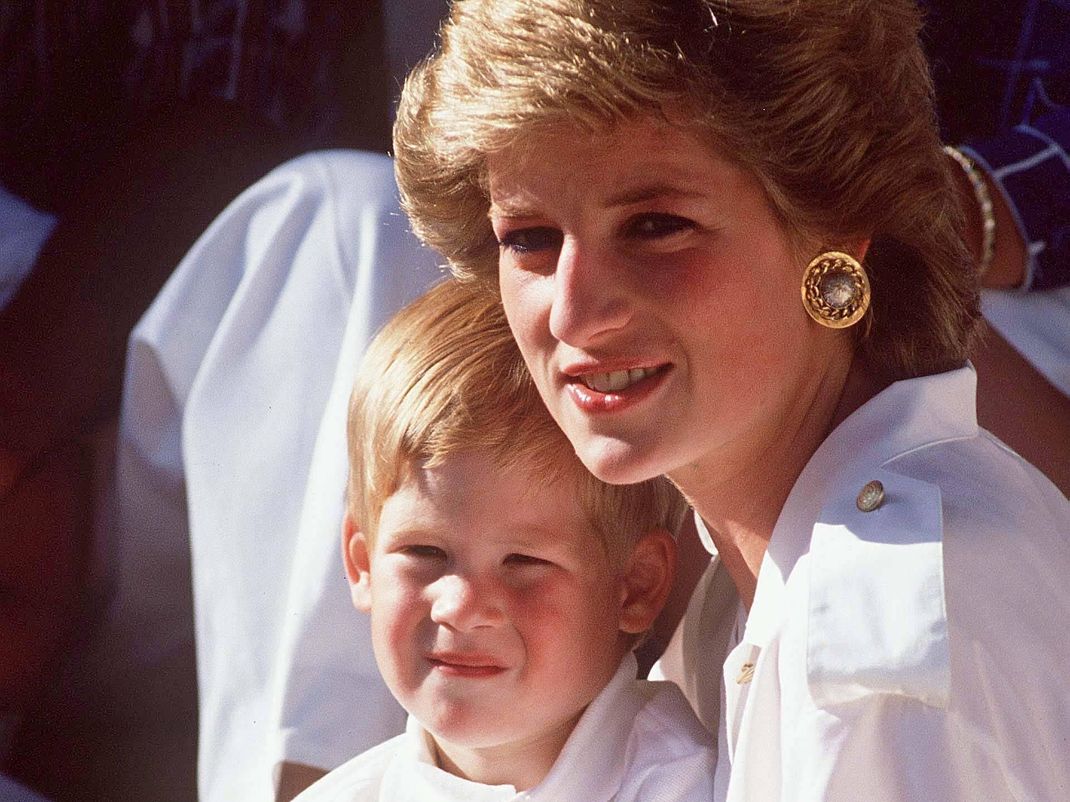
pixel 413 776
pixel 591 765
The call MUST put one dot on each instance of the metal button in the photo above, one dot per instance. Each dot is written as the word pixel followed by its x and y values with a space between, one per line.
pixel 870 497
pixel 746 674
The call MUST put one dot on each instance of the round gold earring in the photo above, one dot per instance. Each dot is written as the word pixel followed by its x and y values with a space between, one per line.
pixel 835 290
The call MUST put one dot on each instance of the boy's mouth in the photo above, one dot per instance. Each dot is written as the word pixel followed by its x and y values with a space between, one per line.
pixel 456 664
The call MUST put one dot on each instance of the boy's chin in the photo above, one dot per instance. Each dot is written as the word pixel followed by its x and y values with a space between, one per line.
pixel 484 732
pixel 461 726
pixel 457 738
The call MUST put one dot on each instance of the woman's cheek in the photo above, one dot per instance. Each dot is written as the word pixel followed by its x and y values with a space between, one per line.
pixel 527 296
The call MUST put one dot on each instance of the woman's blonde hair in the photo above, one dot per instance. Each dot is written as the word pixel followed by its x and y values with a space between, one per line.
pixel 444 377
pixel 827 102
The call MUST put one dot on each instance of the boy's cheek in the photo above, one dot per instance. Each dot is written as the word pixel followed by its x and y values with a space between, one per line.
pixel 398 647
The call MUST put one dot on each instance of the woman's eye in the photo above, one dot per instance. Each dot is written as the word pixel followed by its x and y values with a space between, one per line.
pixel 655 226
pixel 425 552
pixel 531 240
pixel 524 560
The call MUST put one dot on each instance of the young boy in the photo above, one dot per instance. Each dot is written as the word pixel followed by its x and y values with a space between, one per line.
pixel 506 585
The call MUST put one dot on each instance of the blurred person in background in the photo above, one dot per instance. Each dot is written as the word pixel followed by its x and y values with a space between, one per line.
pixel 1002 73
pixel 124 130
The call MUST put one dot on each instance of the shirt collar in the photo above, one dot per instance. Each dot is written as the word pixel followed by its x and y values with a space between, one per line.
pixel 704 535
pixel 414 776
pixel 906 415
pixel 592 763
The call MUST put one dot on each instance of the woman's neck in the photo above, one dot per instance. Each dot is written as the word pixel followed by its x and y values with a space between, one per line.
pixel 740 499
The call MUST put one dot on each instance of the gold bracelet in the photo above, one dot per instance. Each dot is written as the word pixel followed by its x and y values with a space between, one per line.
pixel 984 201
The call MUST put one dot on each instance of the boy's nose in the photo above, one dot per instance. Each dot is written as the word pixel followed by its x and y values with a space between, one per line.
pixel 464 604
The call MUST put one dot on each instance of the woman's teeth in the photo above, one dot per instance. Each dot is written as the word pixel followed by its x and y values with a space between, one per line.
pixel 617 380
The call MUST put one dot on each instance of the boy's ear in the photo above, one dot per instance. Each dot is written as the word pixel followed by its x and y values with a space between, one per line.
pixel 357 564
pixel 647 579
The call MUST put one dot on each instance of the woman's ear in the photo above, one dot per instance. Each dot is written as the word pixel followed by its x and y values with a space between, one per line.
pixel 357 563
pixel 647 579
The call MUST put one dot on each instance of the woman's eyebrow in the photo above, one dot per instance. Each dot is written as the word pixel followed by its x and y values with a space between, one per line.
pixel 649 192
pixel 507 208
pixel 510 208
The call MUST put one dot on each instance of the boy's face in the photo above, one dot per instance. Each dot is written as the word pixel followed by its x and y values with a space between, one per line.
pixel 496 614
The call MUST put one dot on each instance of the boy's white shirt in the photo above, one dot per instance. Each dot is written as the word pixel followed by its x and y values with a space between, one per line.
pixel 637 740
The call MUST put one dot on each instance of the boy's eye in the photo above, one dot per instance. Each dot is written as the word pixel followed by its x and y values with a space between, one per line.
pixel 656 225
pixel 531 240
pixel 424 552
pixel 524 560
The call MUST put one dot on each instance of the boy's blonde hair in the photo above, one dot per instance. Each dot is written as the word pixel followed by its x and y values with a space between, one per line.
pixel 445 376
pixel 827 102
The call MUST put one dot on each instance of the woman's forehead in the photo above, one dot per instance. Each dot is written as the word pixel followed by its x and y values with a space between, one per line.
pixel 636 160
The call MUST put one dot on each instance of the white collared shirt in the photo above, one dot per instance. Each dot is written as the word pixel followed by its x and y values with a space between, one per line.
pixel 914 652
pixel 636 741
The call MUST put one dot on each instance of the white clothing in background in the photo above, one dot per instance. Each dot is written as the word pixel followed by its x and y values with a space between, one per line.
pixel 11 791
pixel 917 651
pixel 1037 324
pixel 235 397
pixel 23 232
pixel 636 742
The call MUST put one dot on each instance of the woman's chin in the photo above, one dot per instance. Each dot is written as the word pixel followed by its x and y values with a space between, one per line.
pixel 619 462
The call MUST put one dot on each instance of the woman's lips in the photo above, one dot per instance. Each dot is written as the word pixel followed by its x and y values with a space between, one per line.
pixel 612 391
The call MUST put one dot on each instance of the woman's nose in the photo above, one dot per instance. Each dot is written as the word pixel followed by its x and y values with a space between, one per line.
pixel 590 299
pixel 462 603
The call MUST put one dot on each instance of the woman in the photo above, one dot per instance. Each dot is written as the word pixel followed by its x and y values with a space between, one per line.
pixel 725 238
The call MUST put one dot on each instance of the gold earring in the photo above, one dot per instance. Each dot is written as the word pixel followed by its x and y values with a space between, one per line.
pixel 835 290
